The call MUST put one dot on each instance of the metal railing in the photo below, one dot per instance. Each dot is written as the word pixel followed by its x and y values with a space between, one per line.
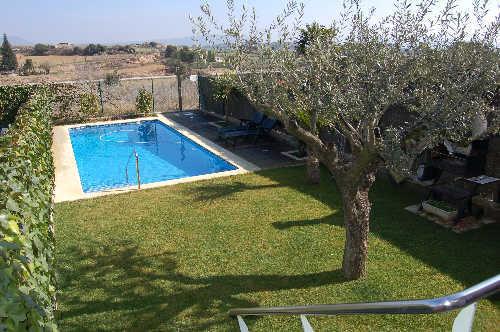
pixel 137 172
pixel 462 299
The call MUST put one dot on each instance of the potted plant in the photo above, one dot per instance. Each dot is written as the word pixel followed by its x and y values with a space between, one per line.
pixel 440 209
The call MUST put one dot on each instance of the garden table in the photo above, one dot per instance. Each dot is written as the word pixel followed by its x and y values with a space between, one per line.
pixel 485 180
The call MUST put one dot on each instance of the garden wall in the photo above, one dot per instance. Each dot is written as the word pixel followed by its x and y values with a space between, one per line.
pixel 27 281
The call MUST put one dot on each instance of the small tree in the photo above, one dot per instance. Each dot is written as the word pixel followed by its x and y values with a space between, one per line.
pixel 435 62
pixel 308 37
pixel 45 67
pixel 222 88
pixel 77 50
pixel 171 51
pixel 9 60
pixel 40 49
pixel 144 102
pixel 211 56
pixel 28 68
pixel 93 49
pixel 112 78
pixel 186 55
pixel 181 71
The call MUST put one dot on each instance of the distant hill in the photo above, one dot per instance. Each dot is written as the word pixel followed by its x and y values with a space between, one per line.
pixel 184 41
pixel 18 41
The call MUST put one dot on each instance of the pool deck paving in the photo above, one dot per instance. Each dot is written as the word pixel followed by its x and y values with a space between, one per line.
pixel 266 153
pixel 194 125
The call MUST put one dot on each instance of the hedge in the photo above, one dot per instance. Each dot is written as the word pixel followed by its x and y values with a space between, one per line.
pixel 66 101
pixel 11 99
pixel 27 279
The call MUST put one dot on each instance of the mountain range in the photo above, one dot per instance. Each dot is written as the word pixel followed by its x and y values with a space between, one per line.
pixel 185 41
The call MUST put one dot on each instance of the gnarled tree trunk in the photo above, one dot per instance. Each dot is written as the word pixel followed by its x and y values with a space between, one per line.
pixel 313 167
pixel 356 207
pixel 354 179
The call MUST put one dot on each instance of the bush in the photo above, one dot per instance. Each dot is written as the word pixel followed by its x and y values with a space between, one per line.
pixel 89 104
pixel 77 51
pixel 112 78
pixel 171 51
pixel 186 55
pixel 27 287
pixel 40 49
pixel 28 68
pixel 45 67
pixel 93 49
pixel 144 102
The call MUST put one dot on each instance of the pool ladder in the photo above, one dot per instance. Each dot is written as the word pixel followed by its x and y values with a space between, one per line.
pixel 138 173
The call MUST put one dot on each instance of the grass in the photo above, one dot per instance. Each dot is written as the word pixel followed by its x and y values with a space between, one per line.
pixel 177 258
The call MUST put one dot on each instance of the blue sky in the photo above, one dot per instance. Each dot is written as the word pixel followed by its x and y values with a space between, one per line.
pixel 107 21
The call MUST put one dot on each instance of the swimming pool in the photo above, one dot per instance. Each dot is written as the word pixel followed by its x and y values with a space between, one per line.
pixel 105 155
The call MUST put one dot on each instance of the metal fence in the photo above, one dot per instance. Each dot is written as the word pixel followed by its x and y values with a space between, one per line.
pixel 118 98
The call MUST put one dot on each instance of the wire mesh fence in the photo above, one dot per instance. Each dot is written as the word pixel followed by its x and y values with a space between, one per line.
pixel 83 100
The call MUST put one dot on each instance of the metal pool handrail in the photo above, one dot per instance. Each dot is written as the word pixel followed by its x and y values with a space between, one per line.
pixel 427 306
pixel 134 153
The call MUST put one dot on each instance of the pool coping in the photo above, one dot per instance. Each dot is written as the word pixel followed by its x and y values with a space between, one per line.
pixel 67 179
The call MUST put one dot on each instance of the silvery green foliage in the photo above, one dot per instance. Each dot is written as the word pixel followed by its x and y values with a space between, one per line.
pixel 438 62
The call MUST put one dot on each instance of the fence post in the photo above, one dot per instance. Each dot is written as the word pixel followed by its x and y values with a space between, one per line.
pixel 179 86
pixel 199 92
pixel 100 97
pixel 153 93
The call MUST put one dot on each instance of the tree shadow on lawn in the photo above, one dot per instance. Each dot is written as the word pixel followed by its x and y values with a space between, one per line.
pixel 468 258
pixel 151 292
pixel 208 191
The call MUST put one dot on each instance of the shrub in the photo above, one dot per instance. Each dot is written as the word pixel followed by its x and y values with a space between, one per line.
pixel 89 104
pixel 27 287
pixel 40 49
pixel 77 51
pixel 112 78
pixel 93 49
pixel 45 67
pixel 144 102
pixel 171 51
pixel 28 68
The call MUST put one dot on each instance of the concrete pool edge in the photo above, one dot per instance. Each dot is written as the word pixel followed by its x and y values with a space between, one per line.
pixel 67 180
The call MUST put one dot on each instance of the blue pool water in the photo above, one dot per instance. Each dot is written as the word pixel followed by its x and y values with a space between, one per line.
pixel 105 155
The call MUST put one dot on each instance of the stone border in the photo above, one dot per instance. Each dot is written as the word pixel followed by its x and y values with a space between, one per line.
pixel 67 179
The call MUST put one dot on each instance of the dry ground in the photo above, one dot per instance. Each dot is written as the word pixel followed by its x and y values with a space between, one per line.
pixel 77 67
pixel 70 68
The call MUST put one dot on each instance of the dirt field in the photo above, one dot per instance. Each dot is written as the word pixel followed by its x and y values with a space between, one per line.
pixel 76 67
pixel 70 68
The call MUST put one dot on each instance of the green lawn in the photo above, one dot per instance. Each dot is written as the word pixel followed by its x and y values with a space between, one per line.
pixel 177 258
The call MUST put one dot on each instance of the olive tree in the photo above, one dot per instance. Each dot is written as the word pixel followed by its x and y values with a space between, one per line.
pixel 308 37
pixel 439 63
